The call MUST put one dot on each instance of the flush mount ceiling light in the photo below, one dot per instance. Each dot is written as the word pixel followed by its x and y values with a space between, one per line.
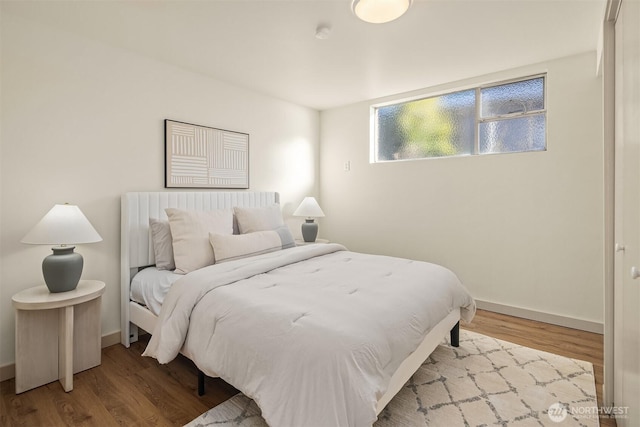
pixel 380 11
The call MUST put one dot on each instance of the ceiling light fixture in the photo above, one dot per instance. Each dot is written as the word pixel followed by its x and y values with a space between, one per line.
pixel 380 11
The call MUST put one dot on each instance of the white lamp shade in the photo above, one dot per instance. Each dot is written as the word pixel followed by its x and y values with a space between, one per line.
pixel 62 225
pixel 309 208
pixel 380 11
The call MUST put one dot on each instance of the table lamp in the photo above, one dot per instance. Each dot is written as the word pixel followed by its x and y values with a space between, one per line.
pixel 309 208
pixel 64 225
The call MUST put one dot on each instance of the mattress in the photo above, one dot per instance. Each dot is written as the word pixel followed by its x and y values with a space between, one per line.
pixel 150 286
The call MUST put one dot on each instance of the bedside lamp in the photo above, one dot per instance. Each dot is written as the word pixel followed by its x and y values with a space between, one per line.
pixel 63 225
pixel 309 208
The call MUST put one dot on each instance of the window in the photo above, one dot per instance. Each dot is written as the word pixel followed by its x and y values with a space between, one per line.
pixel 501 118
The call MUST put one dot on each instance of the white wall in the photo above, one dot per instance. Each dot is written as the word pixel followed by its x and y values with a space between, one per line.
pixel 83 123
pixel 523 230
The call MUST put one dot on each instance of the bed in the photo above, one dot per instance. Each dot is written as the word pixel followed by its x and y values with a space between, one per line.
pixel 254 320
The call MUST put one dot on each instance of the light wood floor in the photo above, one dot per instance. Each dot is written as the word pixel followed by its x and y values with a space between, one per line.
pixel 130 390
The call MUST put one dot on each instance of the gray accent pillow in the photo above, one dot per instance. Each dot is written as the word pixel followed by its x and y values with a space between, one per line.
pixel 162 244
pixel 285 237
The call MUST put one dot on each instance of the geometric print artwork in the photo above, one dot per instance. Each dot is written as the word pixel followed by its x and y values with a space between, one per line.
pixel 205 157
pixel 484 382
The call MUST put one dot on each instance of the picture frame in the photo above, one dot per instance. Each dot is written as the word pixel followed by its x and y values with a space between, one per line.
pixel 199 156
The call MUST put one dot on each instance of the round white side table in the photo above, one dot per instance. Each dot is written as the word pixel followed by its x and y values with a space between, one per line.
pixel 57 334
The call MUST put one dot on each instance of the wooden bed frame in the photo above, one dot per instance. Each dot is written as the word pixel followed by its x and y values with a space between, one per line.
pixel 137 252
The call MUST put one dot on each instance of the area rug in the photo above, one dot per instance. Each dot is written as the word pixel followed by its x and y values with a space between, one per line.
pixel 483 382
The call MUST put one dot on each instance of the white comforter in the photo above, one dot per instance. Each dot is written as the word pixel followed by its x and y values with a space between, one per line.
pixel 312 333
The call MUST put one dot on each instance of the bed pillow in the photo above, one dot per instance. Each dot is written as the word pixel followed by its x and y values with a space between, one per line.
pixel 162 244
pixel 190 231
pixel 236 246
pixel 251 220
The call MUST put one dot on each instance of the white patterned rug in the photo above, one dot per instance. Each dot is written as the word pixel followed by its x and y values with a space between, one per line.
pixel 483 382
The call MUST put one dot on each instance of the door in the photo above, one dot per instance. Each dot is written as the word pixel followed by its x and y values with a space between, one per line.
pixel 627 215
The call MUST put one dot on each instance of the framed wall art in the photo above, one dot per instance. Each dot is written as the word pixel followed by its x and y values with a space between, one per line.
pixel 205 157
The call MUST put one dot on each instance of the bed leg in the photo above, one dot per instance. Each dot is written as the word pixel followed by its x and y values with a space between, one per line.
pixel 200 383
pixel 455 335
pixel 133 333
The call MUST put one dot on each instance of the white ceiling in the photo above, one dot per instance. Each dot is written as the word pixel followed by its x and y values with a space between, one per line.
pixel 270 45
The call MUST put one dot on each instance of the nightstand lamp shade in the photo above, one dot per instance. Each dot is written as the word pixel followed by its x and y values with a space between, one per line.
pixel 63 225
pixel 310 209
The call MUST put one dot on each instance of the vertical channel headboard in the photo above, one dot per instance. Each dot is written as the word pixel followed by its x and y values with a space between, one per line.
pixel 137 208
pixel 136 247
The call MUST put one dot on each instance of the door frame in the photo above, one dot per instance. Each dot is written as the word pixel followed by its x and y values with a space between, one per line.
pixel 608 91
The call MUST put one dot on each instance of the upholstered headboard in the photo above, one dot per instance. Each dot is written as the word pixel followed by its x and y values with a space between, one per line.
pixel 137 208
pixel 136 247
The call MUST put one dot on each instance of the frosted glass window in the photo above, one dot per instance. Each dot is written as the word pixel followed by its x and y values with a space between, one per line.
pixel 431 127
pixel 500 118
pixel 519 97
pixel 513 135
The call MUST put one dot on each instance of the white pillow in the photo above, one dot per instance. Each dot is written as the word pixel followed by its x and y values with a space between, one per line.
pixel 190 231
pixel 162 244
pixel 251 220
pixel 230 247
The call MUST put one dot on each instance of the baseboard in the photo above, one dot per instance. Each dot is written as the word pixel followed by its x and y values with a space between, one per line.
pixel 9 371
pixel 111 339
pixel 554 319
